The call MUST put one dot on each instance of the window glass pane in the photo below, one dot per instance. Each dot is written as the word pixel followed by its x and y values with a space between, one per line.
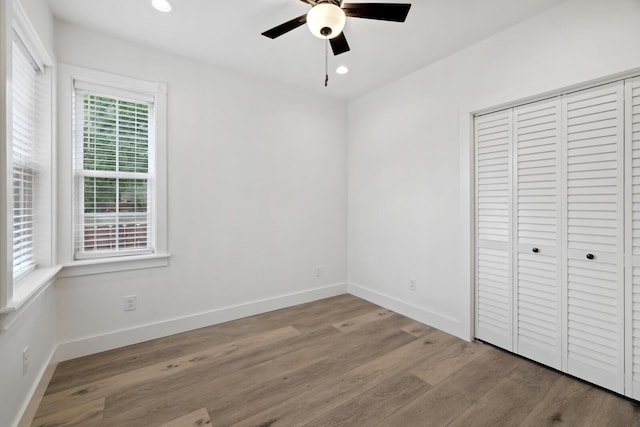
pixel 115 134
pixel 113 216
pixel 99 195
pixel 24 135
pixel 134 137
pixel 99 133
pixel 115 223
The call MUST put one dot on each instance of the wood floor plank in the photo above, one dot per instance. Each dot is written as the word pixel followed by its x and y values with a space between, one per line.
pixel 418 329
pixel 272 392
pixel 451 397
pixel 338 361
pixel 359 321
pixel 135 402
pixel 92 368
pixel 449 362
pixel 481 374
pixel 335 391
pixel 616 411
pixel 510 401
pixel 259 385
pixel 87 414
pixel 569 402
pixel 436 407
pixel 332 312
pixel 90 391
pixel 310 316
pixel 376 404
pixel 197 418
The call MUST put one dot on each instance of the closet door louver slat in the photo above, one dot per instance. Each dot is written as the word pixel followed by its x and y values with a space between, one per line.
pixel 537 198
pixel 594 132
pixel 493 133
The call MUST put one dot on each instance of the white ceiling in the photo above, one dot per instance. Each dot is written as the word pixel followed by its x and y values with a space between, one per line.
pixel 227 34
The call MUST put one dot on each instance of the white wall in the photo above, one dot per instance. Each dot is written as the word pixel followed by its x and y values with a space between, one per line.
pixel 42 20
pixel 34 328
pixel 257 199
pixel 35 325
pixel 409 160
pixel 257 193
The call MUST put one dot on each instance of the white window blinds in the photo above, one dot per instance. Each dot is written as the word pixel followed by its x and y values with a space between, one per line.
pixel 24 111
pixel 113 172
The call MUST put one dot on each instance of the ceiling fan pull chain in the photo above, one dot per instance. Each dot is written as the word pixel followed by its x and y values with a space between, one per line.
pixel 326 63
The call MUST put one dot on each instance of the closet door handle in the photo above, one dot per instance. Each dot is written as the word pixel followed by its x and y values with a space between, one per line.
pixel 535 250
pixel 590 256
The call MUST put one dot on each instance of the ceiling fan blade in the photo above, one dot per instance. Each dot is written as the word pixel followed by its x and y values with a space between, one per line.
pixel 311 2
pixel 382 11
pixel 286 27
pixel 339 44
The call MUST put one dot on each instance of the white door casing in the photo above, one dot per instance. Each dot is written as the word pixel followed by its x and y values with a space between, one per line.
pixel 632 243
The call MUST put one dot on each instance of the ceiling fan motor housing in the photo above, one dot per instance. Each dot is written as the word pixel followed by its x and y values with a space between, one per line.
pixel 326 19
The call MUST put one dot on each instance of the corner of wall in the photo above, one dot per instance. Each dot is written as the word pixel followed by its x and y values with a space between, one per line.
pixel 440 321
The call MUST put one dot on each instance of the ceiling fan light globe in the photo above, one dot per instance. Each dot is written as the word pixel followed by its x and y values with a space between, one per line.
pixel 162 5
pixel 323 16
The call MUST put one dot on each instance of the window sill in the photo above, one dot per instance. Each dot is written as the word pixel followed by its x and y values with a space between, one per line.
pixel 115 264
pixel 26 290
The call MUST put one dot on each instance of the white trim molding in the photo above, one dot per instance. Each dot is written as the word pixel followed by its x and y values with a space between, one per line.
pixel 36 393
pixel 440 321
pixel 17 295
pixel 157 91
pixel 111 340
pixel 109 265
pixel 30 288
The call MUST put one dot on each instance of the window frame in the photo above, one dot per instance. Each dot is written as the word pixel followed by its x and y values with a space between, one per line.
pixel 67 76
pixel 17 292
pixel 80 173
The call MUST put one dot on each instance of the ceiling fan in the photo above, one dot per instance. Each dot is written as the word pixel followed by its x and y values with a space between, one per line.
pixel 326 19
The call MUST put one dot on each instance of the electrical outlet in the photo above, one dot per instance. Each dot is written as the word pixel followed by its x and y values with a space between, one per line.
pixel 25 360
pixel 130 303
pixel 317 271
pixel 412 284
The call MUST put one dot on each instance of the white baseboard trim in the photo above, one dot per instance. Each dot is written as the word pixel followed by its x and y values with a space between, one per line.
pixel 116 339
pixel 445 323
pixel 36 392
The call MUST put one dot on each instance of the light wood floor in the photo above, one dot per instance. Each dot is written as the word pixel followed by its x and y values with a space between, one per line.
pixel 339 361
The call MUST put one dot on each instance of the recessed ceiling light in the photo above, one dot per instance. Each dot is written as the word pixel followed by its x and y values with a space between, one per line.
pixel 162 5
pixel 342 70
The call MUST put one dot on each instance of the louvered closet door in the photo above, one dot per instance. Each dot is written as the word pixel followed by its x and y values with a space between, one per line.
pixel 632 125
pixel 594 235
pixel 493 133
pixel 537 140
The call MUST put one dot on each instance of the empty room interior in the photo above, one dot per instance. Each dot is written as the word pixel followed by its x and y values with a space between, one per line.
pixel 322 213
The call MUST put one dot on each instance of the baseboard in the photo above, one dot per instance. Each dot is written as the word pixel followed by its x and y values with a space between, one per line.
pixel 445 323
pixel 31 403
pixel 116 339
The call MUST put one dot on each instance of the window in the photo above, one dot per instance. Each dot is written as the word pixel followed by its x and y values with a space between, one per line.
pixel 112 156
pixel 27 166
pixel 113 172
pixel 24 132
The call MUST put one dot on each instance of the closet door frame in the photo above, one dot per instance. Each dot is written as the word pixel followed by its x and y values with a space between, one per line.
pixel 632 389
